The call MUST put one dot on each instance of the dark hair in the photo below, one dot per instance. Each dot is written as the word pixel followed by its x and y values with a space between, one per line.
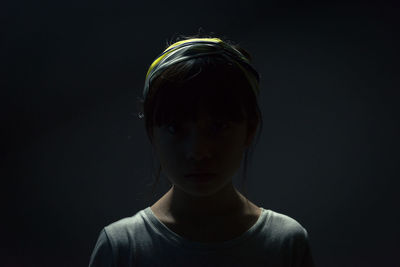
pixel 169 98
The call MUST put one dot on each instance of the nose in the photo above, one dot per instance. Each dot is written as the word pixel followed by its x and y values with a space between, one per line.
pixel 198 155
pixel 198 145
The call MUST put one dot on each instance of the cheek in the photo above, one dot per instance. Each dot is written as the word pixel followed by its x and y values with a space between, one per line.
pixel 168 157
pixel 230 154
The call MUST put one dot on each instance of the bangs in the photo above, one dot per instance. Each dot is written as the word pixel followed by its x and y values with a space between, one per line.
pixel 215 85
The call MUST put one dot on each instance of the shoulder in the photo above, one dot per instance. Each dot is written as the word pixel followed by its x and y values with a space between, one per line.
pixel 114 245
pixel 291 239
pixel 284 227
pixel 121 231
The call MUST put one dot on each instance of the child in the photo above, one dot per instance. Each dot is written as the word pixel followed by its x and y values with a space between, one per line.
pixel 201 114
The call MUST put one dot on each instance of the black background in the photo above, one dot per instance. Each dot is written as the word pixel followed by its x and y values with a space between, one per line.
pixel 75 158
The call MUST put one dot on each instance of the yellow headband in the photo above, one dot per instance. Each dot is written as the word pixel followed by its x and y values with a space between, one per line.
pixel 176 53
pixel 164 54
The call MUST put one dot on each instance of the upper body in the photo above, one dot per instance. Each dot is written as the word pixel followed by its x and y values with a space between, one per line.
pixel 201 114
pixel 144 240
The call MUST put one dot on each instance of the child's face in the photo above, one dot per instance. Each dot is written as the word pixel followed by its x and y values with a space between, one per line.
pixel 209 145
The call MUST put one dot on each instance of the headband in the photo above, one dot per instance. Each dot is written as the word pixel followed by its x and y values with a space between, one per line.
pixel 198 47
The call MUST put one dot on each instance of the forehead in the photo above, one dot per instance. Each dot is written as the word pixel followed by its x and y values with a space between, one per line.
pixel 204 113
pixel 199 98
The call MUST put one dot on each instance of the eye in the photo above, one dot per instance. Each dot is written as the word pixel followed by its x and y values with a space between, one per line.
pixel 221 125
pixel 173 126
pixel 217 126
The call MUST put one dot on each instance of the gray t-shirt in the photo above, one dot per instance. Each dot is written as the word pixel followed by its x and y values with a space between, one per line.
pixel 275 240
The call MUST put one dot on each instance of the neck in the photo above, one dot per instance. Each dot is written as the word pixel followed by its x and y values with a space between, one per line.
pixel 181 206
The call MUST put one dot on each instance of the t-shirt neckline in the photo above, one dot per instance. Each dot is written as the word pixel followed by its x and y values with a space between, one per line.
pixel 180 241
